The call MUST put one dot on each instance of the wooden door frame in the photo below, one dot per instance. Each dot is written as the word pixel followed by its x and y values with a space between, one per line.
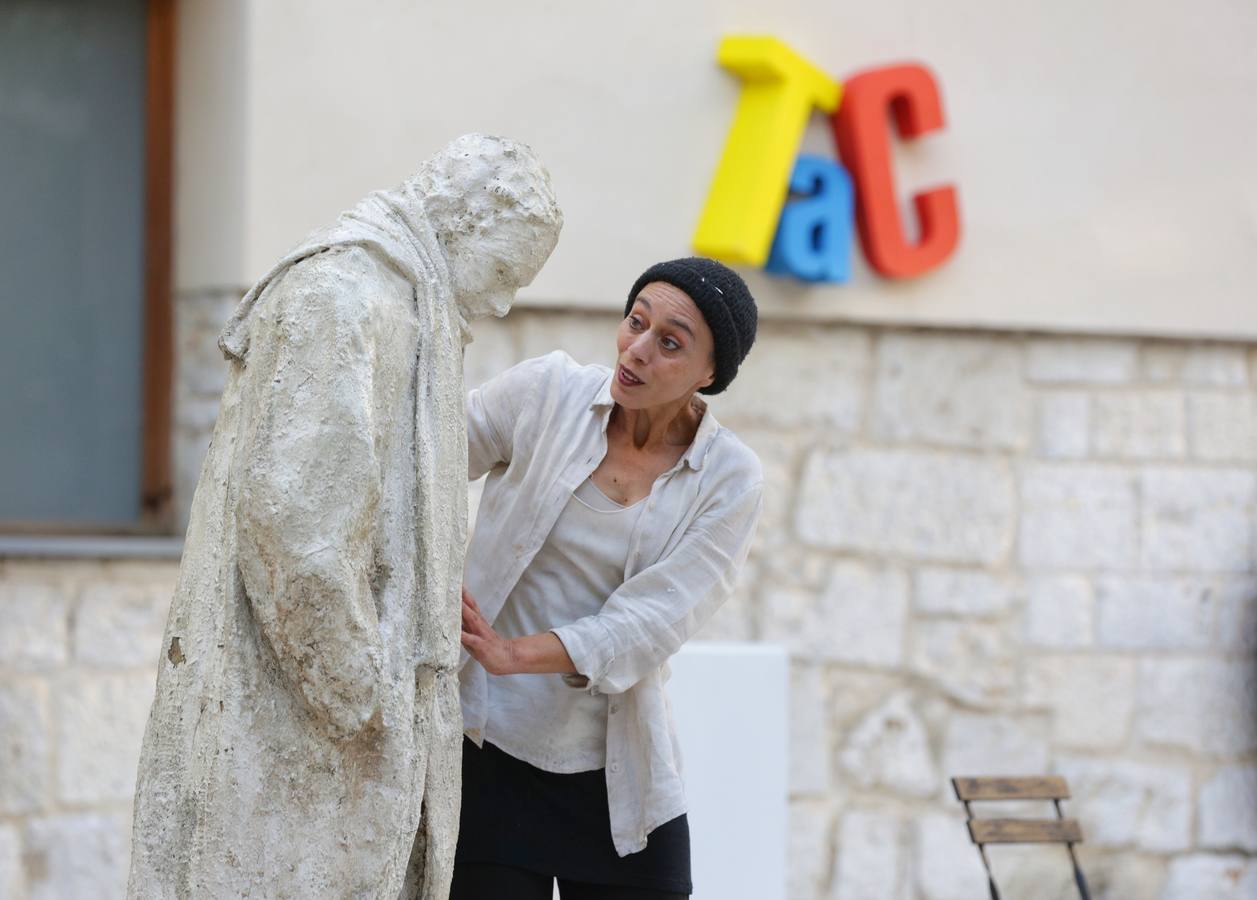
pixel 157 469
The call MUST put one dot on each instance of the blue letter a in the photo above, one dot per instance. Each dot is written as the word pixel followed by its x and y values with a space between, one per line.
pixel 814 235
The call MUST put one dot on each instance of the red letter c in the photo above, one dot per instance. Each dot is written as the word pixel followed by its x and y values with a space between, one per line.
pixel 860 130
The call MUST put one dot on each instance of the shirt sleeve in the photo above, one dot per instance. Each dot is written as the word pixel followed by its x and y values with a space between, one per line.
pixel 493 411
pixel 653 613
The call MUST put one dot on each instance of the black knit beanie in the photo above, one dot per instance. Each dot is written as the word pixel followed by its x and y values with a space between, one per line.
pixel 725 302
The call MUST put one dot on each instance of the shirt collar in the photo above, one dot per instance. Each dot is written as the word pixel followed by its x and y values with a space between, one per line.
pixel 696 455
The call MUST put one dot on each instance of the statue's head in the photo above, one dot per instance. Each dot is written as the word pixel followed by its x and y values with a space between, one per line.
pixel 490 202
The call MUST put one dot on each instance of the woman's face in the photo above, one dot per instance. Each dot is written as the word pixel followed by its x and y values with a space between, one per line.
pixel 665 349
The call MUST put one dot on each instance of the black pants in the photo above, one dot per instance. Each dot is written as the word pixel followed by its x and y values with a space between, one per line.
pixel 489 881
pixel 522 826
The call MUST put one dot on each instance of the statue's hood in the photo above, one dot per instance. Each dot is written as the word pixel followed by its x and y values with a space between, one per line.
pixel 391 222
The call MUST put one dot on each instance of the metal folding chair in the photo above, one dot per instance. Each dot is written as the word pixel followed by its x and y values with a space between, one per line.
pixel 1020 831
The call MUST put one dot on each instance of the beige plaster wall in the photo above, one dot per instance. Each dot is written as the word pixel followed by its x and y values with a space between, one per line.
pixel 1102 151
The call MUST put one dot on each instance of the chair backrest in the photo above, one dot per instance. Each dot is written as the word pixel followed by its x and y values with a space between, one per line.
pixel 1058 830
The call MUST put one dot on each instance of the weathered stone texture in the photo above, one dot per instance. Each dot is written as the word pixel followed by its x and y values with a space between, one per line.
pixel 972 662
pixel 1031 871
pixel 779 455
pixel 1227 814
pixel 1060 611
pixel 1202 875
pixel 1123 875
pixel 1222 426
pixel 821 370
pixel 120 623
pixel 957 391
pixel 1212 365
pixel 1123 803
pixel 100 723
pixel 947 865
pixel 1145 425
pixel 71 856
pixel 26 747
pixel 963 593
pixel 1200 705
pixel 979 744
pixel 1052 360
pixel 809 730
pixel 858 619
pixel 1063 425
pixel 809 848
pixel 1198 520
pixel 306 707
pixel 1152 613
pixel 870 860
pixel 1237 615
pixel 12 878
pixel 930 506
pixel 854 691
pixel 890 750
pixel 1091 698
pixel 1217 365
pixel 1078 517
pixel 34 635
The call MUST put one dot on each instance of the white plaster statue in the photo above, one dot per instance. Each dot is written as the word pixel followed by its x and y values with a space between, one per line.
pixel 305 740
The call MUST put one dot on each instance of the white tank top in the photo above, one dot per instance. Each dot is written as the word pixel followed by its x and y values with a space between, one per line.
pixel 539 718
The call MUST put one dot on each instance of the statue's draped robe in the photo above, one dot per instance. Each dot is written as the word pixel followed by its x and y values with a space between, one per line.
pixel 306 733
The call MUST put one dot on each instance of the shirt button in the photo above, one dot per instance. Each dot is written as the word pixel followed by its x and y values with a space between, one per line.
pixel 614 707
pixel 615 767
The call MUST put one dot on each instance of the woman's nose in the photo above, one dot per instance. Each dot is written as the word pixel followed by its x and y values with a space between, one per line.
pixel 640 348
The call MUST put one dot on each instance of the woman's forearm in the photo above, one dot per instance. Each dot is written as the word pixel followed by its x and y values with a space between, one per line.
pixel 531 654
pixel 540 653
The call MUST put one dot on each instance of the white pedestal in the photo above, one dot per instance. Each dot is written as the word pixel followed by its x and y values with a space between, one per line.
pixel 729 702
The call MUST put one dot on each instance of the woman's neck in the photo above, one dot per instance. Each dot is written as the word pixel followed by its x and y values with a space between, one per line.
pixel 670 425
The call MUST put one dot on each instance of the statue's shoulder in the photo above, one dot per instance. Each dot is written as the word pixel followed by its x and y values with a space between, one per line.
pixel 353 265
pixel 347 279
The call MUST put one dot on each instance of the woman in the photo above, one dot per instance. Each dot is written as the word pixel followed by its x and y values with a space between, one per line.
pixel 613 523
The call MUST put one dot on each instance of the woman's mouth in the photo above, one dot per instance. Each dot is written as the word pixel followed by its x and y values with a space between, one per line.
pixel 627 378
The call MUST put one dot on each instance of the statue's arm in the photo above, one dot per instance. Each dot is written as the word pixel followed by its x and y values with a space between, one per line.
pixel 309 494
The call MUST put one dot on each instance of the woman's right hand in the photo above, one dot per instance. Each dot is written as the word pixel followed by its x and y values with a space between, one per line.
pixel 491 650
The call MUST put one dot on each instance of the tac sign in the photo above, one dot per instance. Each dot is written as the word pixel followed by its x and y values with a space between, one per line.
pixel 749 216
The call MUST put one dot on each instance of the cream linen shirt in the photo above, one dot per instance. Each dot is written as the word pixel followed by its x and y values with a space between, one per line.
pixel 539 429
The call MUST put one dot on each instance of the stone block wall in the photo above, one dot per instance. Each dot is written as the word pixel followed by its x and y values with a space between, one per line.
pixel 79 642
pixel 987 554
pixel 994 553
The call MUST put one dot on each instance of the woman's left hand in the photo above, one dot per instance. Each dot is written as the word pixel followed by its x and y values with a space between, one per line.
pixel 491 650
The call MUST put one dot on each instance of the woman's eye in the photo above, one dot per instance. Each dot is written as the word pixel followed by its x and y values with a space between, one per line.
pixel 634 322
pixel 670 344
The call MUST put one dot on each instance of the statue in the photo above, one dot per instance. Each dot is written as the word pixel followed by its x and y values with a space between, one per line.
pixel 305 740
